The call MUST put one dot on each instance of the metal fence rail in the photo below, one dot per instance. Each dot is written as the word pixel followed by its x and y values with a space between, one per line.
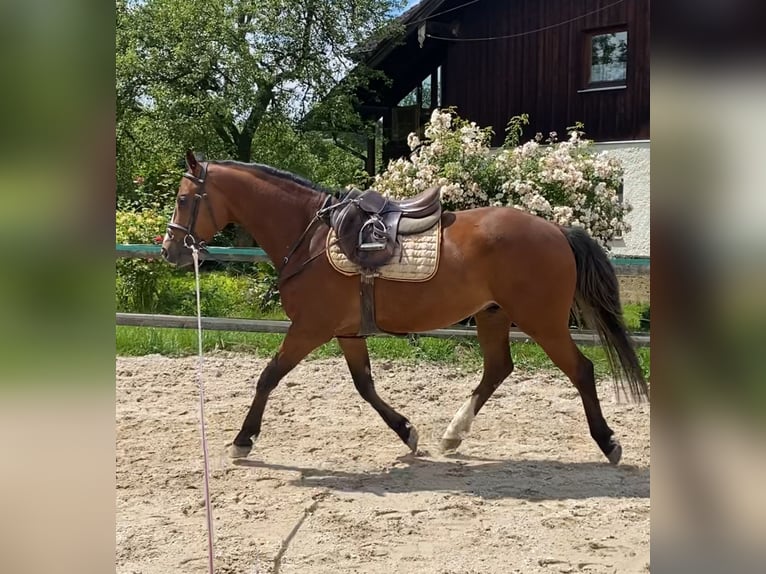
pixel 148 251
pixel 622 265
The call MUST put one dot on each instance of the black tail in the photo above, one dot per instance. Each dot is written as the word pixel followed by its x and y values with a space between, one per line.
pixel 597 299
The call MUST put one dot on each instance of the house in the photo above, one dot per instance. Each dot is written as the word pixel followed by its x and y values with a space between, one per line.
pixel 560 61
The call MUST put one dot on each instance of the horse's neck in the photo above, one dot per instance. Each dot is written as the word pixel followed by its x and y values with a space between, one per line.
pixel 276 212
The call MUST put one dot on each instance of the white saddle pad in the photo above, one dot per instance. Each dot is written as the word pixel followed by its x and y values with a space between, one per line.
pixel 415 259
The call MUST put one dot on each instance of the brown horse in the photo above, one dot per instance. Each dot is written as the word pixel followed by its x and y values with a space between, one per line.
pixel 499 264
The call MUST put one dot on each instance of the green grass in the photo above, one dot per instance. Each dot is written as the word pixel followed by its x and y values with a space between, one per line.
pixel 136 341
pixel 632 314
pixel 463 351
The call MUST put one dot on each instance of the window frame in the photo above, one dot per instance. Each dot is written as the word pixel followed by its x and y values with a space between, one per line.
pixel 587 51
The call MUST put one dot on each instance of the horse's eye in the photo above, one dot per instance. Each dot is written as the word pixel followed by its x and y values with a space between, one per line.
pixel 181 199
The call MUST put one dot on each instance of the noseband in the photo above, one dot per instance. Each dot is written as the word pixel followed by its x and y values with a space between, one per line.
pixel 200 195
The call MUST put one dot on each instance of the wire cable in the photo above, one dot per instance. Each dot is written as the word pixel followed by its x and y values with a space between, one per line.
pixel 442 12
pixel 528 32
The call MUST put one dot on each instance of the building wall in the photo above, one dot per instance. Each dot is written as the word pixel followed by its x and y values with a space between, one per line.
pixel 634 156
pixel 543 73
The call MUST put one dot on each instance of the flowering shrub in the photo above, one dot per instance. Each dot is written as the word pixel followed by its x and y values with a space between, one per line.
pixel 455 155
pixel 140 226
pixel 153 286
pixel 565 182
pixel 140 282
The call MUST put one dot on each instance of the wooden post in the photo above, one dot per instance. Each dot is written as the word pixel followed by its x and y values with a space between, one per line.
pixel 370 162
pixel 435 89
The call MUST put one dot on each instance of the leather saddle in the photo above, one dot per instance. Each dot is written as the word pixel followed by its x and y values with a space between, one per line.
pixel 368 224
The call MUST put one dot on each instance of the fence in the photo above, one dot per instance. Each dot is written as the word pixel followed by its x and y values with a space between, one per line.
pixel 625 266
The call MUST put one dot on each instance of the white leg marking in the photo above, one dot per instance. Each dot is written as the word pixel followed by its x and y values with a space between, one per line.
pixel 461 423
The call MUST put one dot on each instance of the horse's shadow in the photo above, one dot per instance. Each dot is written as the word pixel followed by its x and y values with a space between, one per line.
pixel 532 480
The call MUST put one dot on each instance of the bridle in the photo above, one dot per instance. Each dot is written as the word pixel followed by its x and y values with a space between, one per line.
pixel 189 241
pixel 199 195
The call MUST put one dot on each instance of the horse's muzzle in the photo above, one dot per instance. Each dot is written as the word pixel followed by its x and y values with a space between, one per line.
pixel 168 250
pixel 175 253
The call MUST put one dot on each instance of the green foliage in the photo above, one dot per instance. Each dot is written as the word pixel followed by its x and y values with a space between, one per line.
pixel 529 356
pixel 140 226
pixel 459 350
pixel 232 79
pixel 514 130
pixel 220 296
pixel 635 315
pixel 245 295
pixel 140 282
pixel 309 154
pixel 148 175
pixel 157 288
pixel 644 321
pixel 153 286
pixel 267 278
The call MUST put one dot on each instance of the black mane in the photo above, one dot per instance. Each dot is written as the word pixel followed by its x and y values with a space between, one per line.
pixel 280 174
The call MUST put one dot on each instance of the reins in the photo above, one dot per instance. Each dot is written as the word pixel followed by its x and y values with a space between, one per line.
pixel 208 509
pixel 319 216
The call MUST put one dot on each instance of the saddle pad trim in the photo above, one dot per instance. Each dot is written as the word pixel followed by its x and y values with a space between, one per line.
pixel 350 269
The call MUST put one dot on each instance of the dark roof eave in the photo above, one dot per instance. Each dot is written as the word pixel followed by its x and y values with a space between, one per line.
pixel 378 52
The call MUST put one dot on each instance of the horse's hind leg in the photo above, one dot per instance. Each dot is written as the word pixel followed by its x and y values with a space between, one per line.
pixel 296 345
pixel 358 360
pixel 564 353
pixel 492 327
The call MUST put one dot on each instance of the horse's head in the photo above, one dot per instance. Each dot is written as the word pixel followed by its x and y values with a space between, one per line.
pixel 198 214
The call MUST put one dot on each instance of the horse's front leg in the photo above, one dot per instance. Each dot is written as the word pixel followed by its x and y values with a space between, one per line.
pixel 358 360
pixel 296 345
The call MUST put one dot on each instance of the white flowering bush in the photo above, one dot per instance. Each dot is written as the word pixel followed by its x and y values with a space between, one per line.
pixel 456 155
pixel 566 182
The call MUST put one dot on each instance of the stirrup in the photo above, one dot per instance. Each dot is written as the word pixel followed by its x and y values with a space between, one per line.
pixel 372 246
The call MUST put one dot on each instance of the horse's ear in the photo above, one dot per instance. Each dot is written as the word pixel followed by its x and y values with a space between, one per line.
pixel 191 161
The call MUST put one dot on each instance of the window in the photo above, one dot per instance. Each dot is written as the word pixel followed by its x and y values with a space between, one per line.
pixel 424 92
pixel 606 58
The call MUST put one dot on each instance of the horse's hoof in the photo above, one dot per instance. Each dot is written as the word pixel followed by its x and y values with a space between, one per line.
pixel 450 444
pixel 615 454
pixel 412 441
pixel 235 451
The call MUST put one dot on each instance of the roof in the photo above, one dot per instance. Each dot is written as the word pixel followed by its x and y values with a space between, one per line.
pixel 399 57
pixel 375 51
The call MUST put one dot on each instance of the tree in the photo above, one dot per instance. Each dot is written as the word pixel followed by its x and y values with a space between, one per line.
pixel 202 67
